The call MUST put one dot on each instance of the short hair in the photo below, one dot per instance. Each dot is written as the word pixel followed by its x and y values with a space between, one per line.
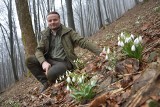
pixel 53 12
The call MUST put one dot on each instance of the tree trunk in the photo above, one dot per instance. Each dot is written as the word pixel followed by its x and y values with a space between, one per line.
pixel 70 14
pixel 28 36
pixel 99 14
pixel 63 13
pixel 81 19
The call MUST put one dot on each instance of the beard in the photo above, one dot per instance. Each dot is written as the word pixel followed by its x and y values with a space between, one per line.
pixel 54 27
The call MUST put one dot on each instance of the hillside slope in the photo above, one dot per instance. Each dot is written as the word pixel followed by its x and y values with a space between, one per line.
pixel 144 20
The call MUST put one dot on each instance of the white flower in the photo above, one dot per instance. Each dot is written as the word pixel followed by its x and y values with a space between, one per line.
pixel 136 41
pixel 118 38
pixel 106 58
pixel 104 49
pixel 74 79
pixel 67 74
pixel 82 77
pixel 119 43
pixel 127 40
pixel 132 36
pixel 56 82
pixel 80 80
pixel 93 82
pixel 122 35
pixel 108 51
pixel 68 79
pixel 133 48
pixel 60 78
pixel 122 44
pixel 140 38
pixel 68 89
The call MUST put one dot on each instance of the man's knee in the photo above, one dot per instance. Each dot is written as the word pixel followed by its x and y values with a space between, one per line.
pixel 56 71
pixel 31 60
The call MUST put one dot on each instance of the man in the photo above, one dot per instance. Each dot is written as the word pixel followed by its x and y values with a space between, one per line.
pixel 55 51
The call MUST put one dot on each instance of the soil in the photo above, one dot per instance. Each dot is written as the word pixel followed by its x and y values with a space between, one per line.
pixel 143 19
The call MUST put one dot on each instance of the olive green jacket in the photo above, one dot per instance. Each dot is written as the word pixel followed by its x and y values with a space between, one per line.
pixel 70 39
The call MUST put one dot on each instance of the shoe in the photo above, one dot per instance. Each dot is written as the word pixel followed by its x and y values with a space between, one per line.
pixel 45 86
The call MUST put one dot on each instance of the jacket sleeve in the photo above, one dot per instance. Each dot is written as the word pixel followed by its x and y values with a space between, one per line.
pixel 84 43
pixel 40 50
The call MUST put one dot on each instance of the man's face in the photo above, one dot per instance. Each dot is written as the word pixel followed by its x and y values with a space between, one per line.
pixel 53 21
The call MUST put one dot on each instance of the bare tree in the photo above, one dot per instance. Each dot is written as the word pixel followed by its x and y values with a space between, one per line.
pixel 99 14
pixel 70 14
pixel 28 36
pixel 63 13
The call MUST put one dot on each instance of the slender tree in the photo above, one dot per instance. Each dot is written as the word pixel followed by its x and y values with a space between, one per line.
pixel 28 36
pixel 70 14
pixel 64 22
pixel 99 14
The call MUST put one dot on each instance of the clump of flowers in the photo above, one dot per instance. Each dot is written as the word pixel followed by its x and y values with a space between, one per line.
pixel 80 86
pixel 79 64
pixel 131 45
pixel 110 58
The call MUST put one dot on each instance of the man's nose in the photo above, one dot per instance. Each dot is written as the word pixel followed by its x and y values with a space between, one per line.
pixel 52 21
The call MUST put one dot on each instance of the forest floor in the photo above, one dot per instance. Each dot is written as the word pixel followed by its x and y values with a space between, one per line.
pixel 131 84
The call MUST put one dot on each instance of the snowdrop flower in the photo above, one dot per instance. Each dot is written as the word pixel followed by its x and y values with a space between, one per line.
pixel 108 51
pixel 93 83
pixel 122 35
pixel 80 80
pixel 106 58
pixel 68 89
pixel 136 41
pixel 82 77
pixel 67 74
pixel 132 36
pixel 140 38
pixel 133 48
pixel 74 79
pixel 118 38
pixel 68 79
pixel 60 78
pixel 122 44
pixel 104 49
pixel 119 43
pixel 56 82
pixel 127 40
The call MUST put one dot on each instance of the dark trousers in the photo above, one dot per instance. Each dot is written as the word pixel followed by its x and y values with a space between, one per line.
pixel 58 68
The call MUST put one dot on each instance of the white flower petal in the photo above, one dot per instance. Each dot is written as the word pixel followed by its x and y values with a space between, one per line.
pixel 68 89
pixel 82 77
pixel 119 43
pixel 133 48
pixel 106 58
pixel 118 38
pixel 80 80
pixel 132 36
pixel 56 82
pixel 93 83
pixel 122 35
pixel 108 51
pixel 122 44
pixel 68 79
pixel 74 79
pixel 136 41
pixel 140 38
pixel 104 49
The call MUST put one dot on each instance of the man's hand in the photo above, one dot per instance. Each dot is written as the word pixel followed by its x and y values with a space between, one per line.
pixel 46 66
